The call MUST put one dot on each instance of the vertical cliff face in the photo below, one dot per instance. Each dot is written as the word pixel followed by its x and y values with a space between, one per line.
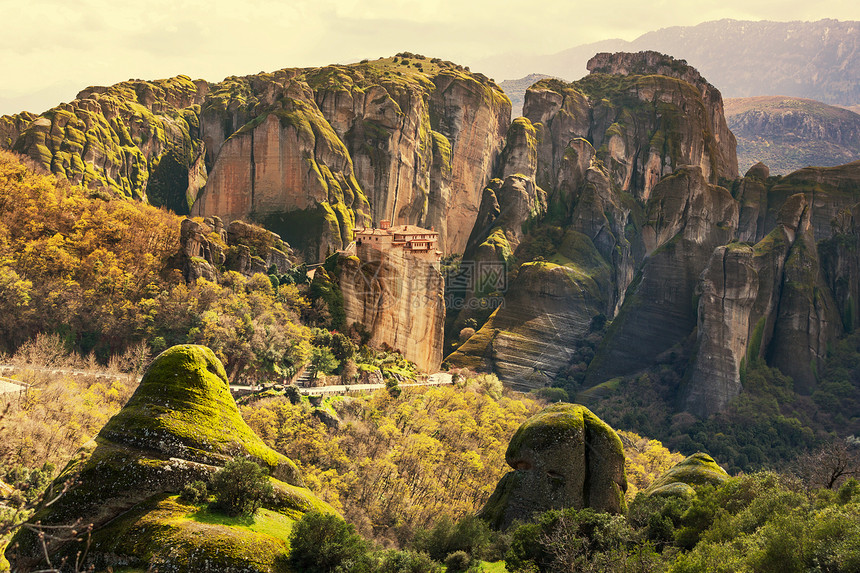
pixel 288 169
pixel 729 287
pixel 630 157
pixel 829 190
pixel 599 147
pixel 723 154
pixel 409 139
pixel 397 296
pixel 138 139
pixel 406 139
pixel 841 265
pixel 646 114
pixel 767 302
pixel 687 219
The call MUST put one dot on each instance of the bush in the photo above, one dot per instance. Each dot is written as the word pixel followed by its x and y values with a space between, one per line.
pixel 407 562
pixel 393 387
pixel 194 492
pixel 469 535
pixel 323 543
pixel 241 486
pixel 552 394
pixel 569 540
pixel 458 561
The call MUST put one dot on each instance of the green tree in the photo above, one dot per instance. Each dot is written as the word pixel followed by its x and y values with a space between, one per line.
pixel 323 543
pixel 241 486
pixel 323 361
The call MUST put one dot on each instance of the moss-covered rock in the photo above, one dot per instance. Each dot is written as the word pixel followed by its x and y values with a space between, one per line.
pixel 565 456
pixel 682 479
pixel 180 425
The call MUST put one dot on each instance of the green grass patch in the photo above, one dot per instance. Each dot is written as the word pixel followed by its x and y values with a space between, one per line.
pixel 263 521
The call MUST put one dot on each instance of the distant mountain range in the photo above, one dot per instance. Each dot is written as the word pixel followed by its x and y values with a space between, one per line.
pixel 790 133
pixel 818 60
pixel 516 90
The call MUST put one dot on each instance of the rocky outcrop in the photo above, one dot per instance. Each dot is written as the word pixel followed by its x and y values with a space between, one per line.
pixel 806 321
pixel 724 158
pixel 546 310
pixel 828 190
pixel 309 153
pixel 728 290
pixel 510 201
pixel 764 302
pixel 681 479
pixel 11 127
pixel 841 266
pixel 644 117
pixel 180 425
pixel 136 139
pixel 398 297
pixel 404 139
pixel 687 219
pixel 565 456
pixel 207 248
pixel 752 196
pixel 599 146
pixel 697 275
pixel 289 164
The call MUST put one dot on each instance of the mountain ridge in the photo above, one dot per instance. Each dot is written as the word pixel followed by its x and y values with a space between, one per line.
pixel 818 60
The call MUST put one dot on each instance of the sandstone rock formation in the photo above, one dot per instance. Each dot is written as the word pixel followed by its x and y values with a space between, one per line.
pixel 841 266
pixel 685 270
pixel 137 139
pixel 829 190
pixel 180 425
pixel 724 158
pixel 687 219
pixel 598 146
pixel 764 302
pixel 309 153
pixel 646 113
pixel 565 456
pixel 546 310
pixel 407 139
pixel 208 247
pixel 290 164
pixel 681 479
pixel 397 296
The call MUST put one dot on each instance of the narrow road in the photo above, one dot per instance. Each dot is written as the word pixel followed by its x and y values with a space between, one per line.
pixel 8 385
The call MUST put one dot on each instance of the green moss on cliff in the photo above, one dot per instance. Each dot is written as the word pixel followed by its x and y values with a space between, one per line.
pixel 184 402
pixel 171 535
pixel 556 423
pixel 696 470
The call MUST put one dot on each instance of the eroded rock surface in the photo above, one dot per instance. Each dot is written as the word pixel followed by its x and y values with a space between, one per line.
pixel 309 153
pixel 397 296
pixel 565 456
pixel 687 219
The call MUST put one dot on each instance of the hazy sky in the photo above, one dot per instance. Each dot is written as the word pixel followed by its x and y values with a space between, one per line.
pixel 50 49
